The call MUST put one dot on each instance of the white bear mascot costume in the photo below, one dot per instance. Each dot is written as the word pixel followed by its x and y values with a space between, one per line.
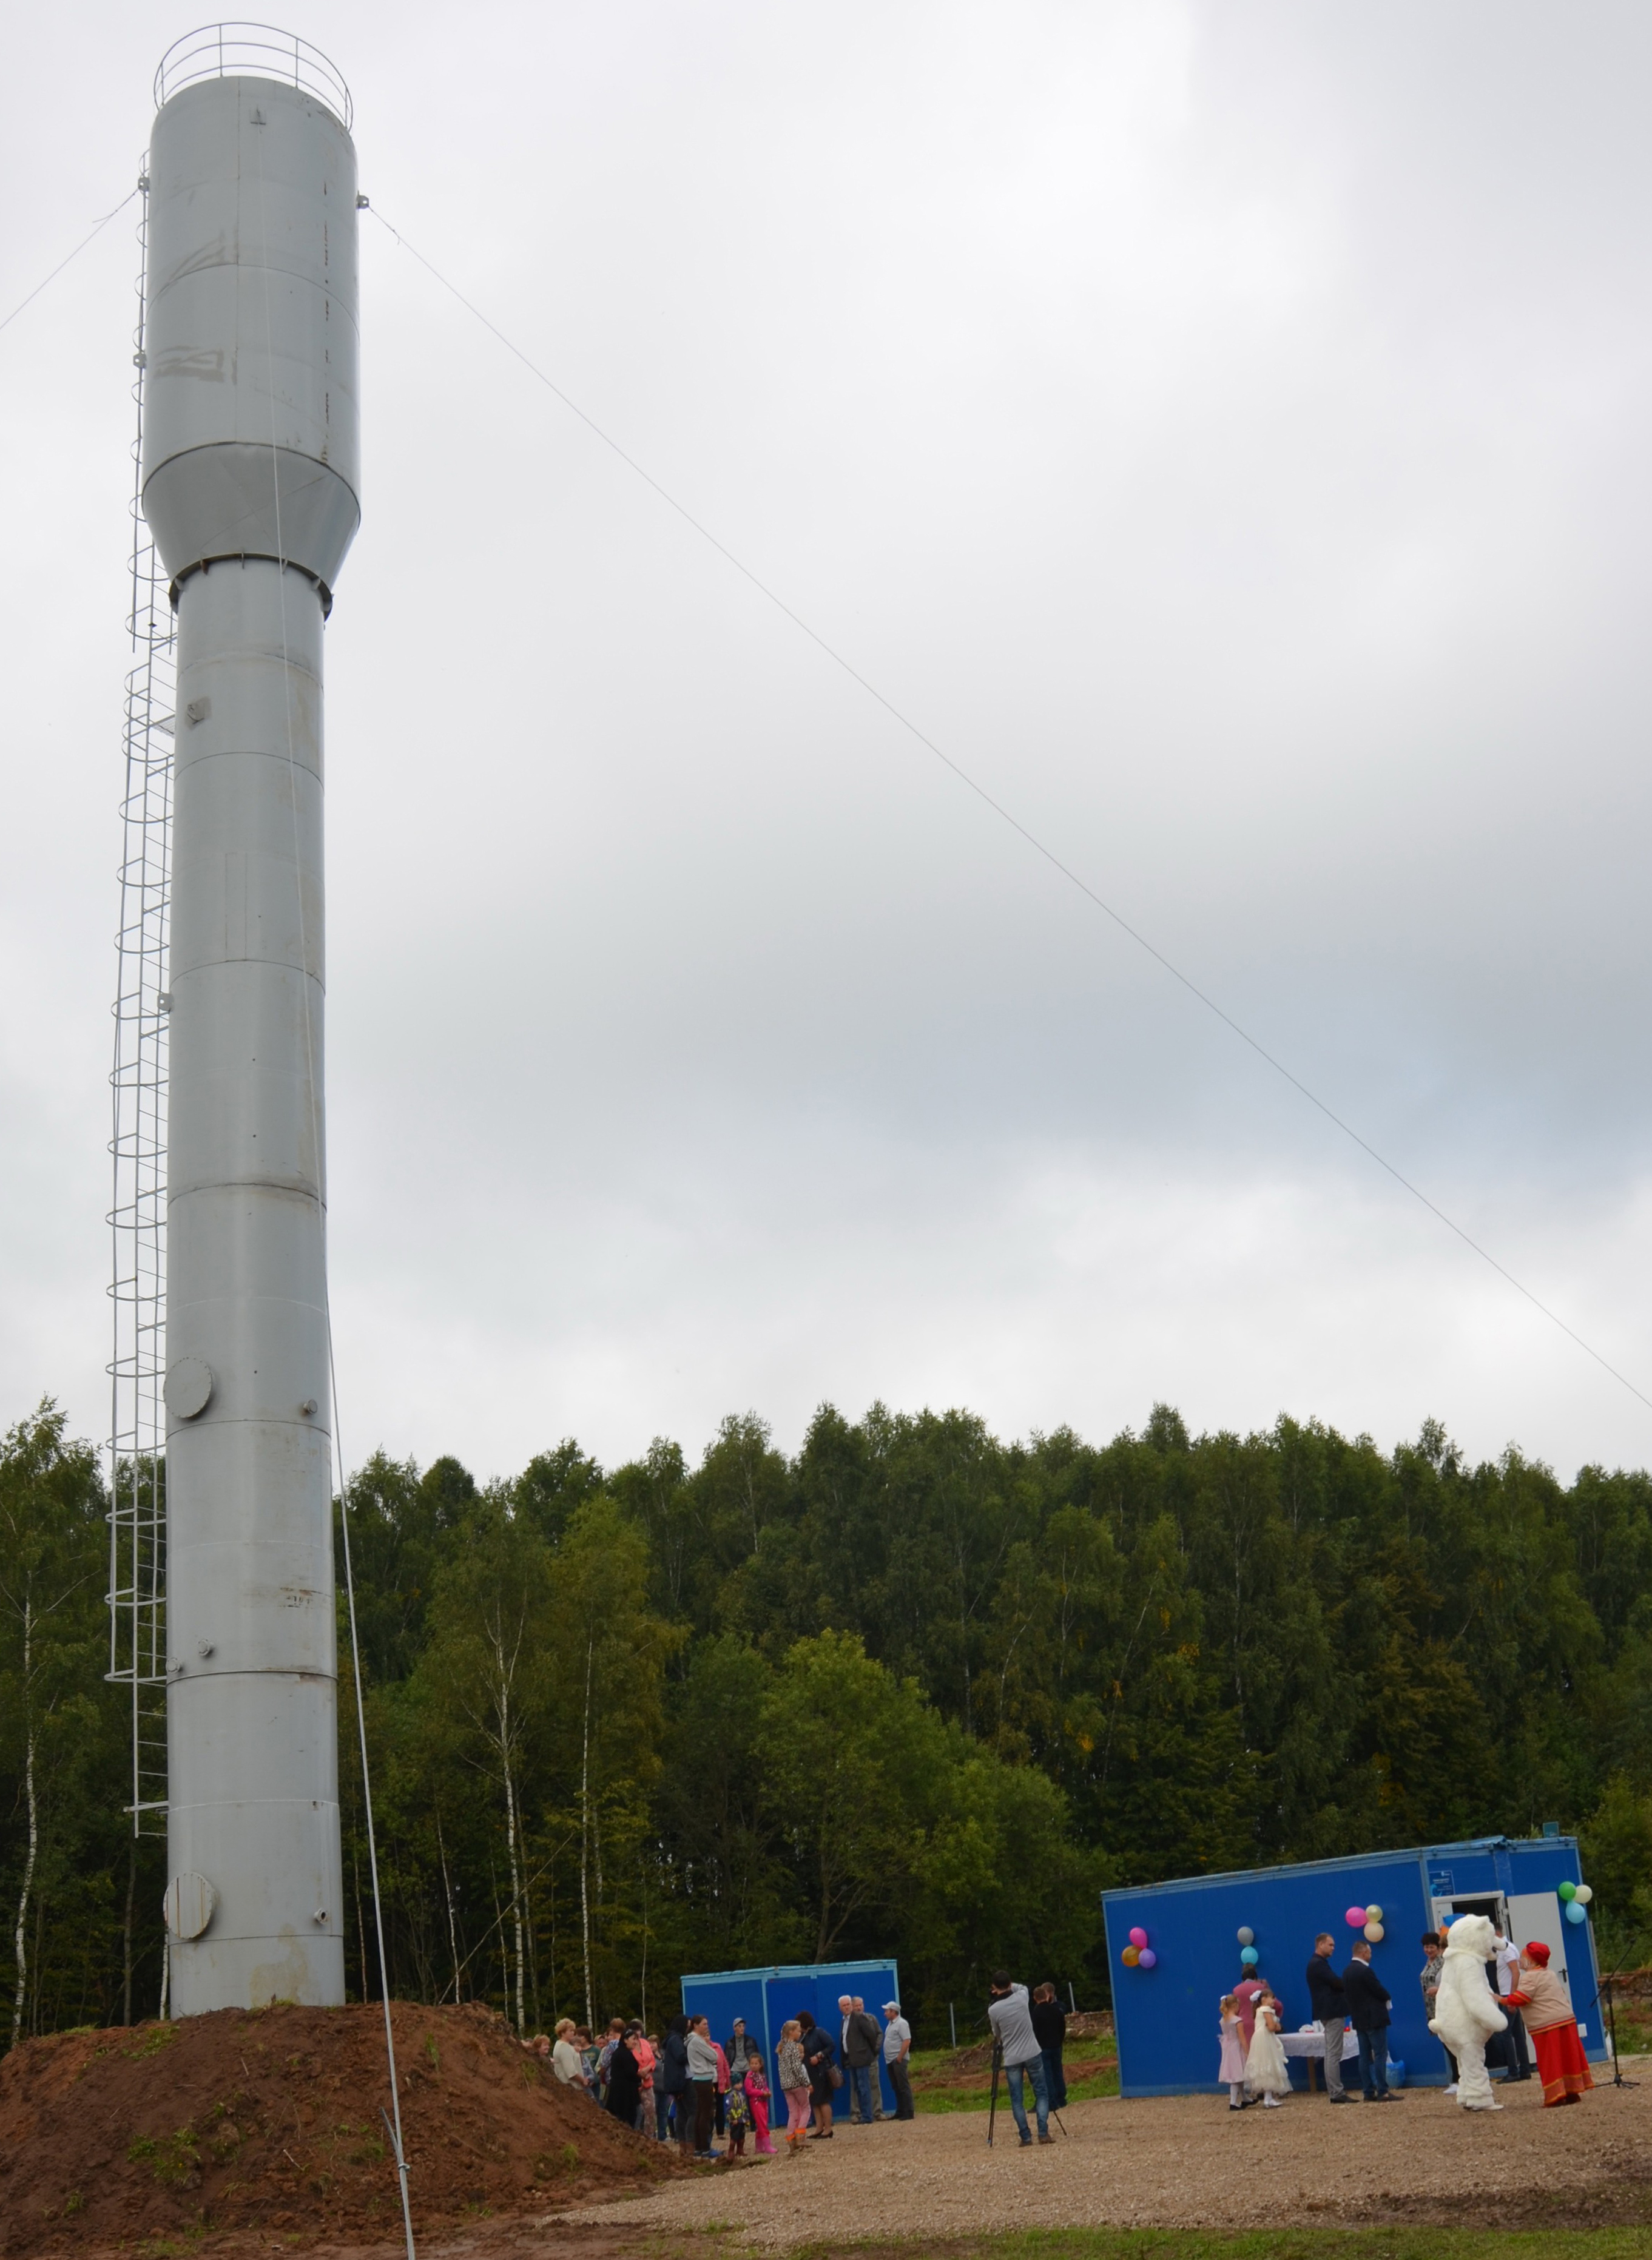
pixel 1466 2013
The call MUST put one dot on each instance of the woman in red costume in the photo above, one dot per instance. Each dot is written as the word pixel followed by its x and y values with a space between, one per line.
pixel 1542 2001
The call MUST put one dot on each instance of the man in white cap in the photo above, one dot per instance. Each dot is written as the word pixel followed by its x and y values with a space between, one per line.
pixel 897 2046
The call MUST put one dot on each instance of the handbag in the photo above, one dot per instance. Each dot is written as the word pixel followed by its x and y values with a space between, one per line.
pixel 837 2074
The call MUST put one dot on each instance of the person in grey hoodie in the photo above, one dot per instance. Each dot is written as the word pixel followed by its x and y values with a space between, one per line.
pixel 1011 2017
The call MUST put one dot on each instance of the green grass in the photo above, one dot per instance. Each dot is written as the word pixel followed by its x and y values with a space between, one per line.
pixel 173 2159
pixel 1207 2245
pixel 1261 2244
pixel 973 2091
pixel 974 2098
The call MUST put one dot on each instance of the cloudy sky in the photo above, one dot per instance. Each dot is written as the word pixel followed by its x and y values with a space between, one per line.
pixel 1221 429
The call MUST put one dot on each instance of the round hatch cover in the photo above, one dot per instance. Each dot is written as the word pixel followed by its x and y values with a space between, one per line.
pixel 188 1385
pixel 189 1904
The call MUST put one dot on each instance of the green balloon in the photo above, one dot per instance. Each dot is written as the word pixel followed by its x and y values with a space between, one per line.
pixel 1568 1891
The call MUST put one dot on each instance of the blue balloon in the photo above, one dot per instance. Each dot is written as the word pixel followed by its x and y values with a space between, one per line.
pixel 1249 1956
pixel 1575 1914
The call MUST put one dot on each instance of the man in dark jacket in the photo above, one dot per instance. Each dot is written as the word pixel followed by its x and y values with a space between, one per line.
pixel 1049 2022
pixel 816 2055
pixel 672 2075
pixel 1328 2000
pixel 1368 2007
pixel 860 2042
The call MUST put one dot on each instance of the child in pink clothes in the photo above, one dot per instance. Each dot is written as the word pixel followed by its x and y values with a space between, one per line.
pixel 757 2099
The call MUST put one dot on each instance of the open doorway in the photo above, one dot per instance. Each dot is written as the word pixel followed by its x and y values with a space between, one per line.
pixel 1491 1905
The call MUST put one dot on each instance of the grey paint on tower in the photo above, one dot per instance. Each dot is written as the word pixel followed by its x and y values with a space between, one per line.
pixel 250 487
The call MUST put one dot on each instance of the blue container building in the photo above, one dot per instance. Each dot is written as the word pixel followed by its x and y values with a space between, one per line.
pixel 1167 2015
pixel 766 1998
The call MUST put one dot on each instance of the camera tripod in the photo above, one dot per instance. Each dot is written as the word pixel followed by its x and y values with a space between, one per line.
pixel 992 2108
pixel 1606 1996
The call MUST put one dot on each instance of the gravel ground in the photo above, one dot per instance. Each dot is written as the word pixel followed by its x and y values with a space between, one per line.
pixel 1185 2162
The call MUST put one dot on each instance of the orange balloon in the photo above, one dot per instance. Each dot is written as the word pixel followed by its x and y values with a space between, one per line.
pixel 1131 1955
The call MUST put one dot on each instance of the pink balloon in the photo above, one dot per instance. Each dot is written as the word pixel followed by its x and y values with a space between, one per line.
pixel 1138 1937
pixel 1147 1959
pixel 1356 1918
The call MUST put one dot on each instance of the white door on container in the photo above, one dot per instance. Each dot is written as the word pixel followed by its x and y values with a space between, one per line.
pixel 1536 1914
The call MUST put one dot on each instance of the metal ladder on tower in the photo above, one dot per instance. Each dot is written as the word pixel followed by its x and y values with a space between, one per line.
pixel 138 1145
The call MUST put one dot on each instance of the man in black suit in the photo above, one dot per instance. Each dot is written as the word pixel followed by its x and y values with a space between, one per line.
pixel 862 2041
pixel 1368 2007
pixel 1328 2002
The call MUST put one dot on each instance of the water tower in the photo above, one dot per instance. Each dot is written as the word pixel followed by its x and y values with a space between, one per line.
pixel 250 480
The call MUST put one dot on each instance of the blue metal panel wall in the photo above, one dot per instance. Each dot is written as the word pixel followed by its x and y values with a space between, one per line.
pixel 723 1996
pixel 766 1997
pixel 1538 1864
pixel 1167 2017
pixel 1526 1865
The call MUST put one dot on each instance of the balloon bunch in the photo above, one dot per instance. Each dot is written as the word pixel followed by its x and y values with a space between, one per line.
pixel 1367 1919
pixel 1577 1897
pixel 1138 1954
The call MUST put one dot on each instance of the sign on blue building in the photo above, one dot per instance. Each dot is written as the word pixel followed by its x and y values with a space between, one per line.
pixel 1167 2014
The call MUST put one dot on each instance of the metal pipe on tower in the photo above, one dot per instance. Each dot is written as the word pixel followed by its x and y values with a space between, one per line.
pixel 251 479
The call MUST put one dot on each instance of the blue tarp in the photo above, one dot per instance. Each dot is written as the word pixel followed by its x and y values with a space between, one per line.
pixel 766 1997
pixel 1167 2016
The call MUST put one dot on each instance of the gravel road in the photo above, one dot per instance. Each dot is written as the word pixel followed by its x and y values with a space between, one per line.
pixel 1184 2161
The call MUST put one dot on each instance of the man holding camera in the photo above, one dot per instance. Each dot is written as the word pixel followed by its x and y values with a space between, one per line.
pixel 1011 2018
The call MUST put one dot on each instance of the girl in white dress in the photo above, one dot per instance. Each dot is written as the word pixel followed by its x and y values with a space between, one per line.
pixel 1232 2068
pixel 1266 2071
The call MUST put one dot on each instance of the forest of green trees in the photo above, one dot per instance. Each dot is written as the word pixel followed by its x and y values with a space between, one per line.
pixel 914 1691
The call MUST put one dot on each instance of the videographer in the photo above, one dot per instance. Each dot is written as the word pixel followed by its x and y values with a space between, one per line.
pixel 1011 2018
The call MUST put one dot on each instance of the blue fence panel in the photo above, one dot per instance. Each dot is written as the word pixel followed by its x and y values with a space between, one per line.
pixel 766 1997
pixel 723 1998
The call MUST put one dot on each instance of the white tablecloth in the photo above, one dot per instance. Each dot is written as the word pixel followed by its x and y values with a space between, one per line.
pixel 1314 2043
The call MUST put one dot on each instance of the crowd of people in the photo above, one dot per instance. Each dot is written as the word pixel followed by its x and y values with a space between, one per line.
pixel 688 2088
pixel 1526 1999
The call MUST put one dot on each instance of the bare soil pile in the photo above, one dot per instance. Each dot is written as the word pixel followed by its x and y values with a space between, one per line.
pixel 269 2119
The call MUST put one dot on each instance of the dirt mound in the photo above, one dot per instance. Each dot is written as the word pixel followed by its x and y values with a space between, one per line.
pixel 269 2119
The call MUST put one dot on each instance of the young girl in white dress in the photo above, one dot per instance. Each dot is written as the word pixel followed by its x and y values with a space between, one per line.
pixel 1266 2071
pixel 1233 2064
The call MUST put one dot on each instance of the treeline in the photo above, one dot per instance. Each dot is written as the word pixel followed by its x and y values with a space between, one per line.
pixel 916 1691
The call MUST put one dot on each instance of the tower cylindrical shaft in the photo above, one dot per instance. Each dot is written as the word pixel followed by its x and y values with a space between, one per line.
pixel 250 488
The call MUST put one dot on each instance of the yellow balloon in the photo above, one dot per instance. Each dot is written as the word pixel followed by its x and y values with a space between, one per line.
pixel 1131 1955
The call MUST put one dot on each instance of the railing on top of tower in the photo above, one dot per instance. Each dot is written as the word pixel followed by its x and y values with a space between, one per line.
pixel 252 51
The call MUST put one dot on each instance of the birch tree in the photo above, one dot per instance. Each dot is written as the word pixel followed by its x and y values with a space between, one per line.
pixel 53 1712
pixel 607 1669
pixel 487 1669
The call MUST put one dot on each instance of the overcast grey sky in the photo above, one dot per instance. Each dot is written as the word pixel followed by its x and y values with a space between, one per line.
pixel 1222 428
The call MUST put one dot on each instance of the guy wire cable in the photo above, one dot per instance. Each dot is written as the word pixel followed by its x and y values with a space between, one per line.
pixel 1014 822
pixel 74 255
pixel 393 2126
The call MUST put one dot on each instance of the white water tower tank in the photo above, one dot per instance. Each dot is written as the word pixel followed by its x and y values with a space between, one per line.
pixel 251 486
